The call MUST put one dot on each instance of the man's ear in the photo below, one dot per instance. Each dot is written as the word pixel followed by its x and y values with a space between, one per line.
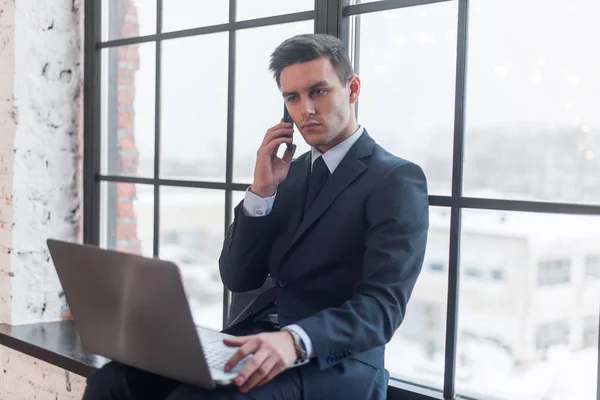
pixel 354 86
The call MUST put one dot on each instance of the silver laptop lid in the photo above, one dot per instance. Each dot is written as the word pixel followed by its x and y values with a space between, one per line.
pixel 131 309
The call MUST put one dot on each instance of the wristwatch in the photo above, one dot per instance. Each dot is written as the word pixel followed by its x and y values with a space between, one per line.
pixel 298 345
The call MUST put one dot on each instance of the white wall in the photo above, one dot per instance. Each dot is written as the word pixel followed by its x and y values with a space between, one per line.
pixel 47 148
pixel 40 187
pixel 25 378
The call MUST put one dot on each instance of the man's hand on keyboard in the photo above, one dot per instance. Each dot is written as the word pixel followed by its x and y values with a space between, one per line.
pixel 272 353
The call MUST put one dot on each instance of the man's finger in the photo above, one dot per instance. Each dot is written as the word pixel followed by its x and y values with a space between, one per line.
pixel 288 154
pixel 236 341
pixel 250 347
pixel 260 375
pixel 254 370
pixel 272 146
pixel 277 369
pixel 276 131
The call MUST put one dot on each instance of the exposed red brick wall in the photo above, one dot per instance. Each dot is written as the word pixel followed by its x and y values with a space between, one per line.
pixel 126 225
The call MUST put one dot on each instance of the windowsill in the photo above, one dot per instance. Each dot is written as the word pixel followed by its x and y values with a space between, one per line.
pixel 56 343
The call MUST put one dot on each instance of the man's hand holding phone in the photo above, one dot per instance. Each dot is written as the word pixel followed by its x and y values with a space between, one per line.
pixel 270 170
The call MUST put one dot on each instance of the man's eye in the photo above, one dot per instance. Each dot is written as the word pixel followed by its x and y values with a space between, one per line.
pixel 319 92
pixel 291 99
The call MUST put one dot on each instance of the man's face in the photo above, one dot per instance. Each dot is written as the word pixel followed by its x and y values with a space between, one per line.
pixel 319 104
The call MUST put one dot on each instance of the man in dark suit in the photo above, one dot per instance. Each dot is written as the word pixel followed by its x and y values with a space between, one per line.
pixel 341 231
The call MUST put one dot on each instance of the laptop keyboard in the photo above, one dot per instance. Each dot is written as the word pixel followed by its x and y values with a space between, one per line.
pixel 217 359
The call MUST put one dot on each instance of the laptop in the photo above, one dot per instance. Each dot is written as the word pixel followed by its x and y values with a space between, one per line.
pixel 134 310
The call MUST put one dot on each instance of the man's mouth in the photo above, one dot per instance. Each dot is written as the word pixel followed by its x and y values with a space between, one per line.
pixel 310 125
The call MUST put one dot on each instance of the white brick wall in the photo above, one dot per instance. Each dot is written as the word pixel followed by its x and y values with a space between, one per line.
pixel 25 378
pixel 47 142
pixel 7 129
pixel 40 187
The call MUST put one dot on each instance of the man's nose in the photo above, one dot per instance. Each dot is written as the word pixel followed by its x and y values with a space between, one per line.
pixel 308 107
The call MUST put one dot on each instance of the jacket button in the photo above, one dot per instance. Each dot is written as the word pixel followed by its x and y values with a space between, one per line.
pixel 282 283
pixel 331 359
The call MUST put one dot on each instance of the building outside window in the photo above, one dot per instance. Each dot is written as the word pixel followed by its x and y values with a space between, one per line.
pixel 554 272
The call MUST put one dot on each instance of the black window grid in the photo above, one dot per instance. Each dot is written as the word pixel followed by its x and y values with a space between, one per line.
pixel 330 16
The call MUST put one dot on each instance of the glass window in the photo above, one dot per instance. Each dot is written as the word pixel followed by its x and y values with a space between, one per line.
pixel 416 352
pixel 191 235
pixel 251 9
pixel 497 274
pixel 533 93
pixel 473 272
pixel 437 266
pixel 353 2
pixel 236 197
pixel 127 117
pixel 554 272
pixel 128 18
pixel 187 14
pixel 127 217
pixel 511 331
pixel 407 66
pixel 592 267
pixel 529 291
pixel 194 107
pixel 258 101
pixel 552 334
pixel 590 331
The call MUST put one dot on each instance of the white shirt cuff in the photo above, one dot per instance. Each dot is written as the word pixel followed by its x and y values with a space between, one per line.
pixel 256 206
pixel 305 338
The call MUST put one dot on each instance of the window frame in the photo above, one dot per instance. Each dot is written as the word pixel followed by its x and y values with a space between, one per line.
pixel 333 17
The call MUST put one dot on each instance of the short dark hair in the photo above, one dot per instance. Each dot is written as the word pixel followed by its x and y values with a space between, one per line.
pixel 308 47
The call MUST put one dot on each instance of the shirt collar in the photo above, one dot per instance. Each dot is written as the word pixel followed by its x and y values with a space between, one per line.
pixel 333 157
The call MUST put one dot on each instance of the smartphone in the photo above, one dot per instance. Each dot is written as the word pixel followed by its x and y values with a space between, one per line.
pixel 287 118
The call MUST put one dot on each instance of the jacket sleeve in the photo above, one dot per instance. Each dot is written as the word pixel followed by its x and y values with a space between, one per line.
pixel 398 220
pixel 243 263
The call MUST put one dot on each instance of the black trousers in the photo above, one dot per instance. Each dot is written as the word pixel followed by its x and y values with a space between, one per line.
pixel 116 381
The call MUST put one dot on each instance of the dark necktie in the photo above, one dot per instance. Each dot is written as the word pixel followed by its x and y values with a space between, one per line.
pixel 317 179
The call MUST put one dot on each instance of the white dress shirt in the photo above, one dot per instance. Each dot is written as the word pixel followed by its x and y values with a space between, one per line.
pixel 256 206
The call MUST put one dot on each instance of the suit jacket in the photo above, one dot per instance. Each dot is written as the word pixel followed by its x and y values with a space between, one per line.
pixel 344 271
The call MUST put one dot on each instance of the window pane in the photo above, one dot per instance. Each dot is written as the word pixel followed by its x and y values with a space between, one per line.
pixel 128 18
pixel 191 235
pixel 416 352
pixel 590 331
pixel 236 198
pixel 194 107
pixel 251 9
pixel 518 338
pixel 187 14
pixel 533 94
pixel 127 217
pixel 127 111
pixel 407 66
pixel 554 272
pixel 592 266
pixel 258 101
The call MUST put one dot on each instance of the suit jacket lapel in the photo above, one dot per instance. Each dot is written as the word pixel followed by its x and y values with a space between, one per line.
pixel 350 168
